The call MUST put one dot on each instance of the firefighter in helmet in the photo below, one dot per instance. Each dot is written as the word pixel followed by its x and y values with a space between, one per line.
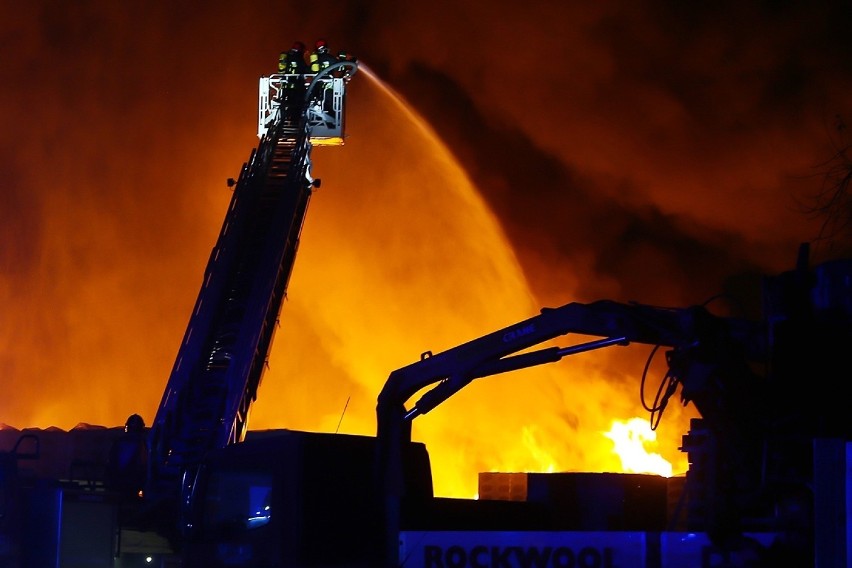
pixel 293 65
pixel 321 57
pixel 344 56
pixel 292 62
pixel 128 459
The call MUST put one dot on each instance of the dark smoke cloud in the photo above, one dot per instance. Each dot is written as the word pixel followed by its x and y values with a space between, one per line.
pixel 669 146
pixel 651 151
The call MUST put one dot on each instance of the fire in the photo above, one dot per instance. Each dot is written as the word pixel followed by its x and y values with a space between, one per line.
pixel 546 461
pixel 632 441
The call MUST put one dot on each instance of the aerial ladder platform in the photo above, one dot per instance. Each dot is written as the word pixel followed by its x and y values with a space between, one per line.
pixel 225 349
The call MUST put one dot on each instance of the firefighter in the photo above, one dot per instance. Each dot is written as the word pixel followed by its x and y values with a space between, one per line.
pixel 128 459
pixel 293 62
pixel 321 57
pixel 344 56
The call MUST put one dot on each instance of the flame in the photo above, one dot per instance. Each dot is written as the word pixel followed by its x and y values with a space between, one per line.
pixel 633 442
pixel 540 453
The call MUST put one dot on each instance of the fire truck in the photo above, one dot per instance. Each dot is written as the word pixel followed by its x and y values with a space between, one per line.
pixel 767 483
pixel 96 496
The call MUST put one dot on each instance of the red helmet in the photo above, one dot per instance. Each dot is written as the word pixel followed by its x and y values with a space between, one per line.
pixel 320 45
pixel 298 46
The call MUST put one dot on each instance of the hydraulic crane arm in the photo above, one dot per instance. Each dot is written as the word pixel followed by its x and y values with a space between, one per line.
pixel 499 352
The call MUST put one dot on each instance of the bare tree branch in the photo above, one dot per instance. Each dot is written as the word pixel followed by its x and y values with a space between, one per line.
pixel 833 202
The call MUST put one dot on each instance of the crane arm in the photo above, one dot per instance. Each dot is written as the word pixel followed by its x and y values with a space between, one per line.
pixel 615 323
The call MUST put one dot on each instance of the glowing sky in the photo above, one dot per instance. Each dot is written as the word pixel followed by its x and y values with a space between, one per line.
pixel 650 151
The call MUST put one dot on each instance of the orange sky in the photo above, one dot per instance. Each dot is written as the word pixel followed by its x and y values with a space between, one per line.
pixel 536 156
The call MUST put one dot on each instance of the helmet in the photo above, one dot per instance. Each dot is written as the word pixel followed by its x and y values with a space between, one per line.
pixel 298 46
pixel 320 45
pixel 134 424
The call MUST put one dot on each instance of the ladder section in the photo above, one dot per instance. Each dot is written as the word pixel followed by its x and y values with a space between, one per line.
pixel 225 349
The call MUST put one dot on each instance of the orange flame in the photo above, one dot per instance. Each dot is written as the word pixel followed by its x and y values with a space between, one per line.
pixel 633 442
